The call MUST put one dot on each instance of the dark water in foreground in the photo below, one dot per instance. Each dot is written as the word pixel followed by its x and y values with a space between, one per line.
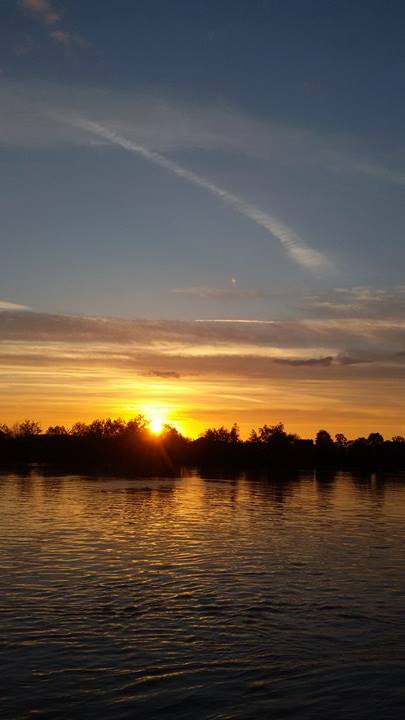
pixel 202 598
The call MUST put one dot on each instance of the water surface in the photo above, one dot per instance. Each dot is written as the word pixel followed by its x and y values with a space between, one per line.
pixel 221 598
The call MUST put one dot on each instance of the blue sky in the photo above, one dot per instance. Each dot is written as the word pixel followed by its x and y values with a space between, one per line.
pixel 204 160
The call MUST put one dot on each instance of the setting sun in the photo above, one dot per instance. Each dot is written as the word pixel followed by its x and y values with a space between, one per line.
pixel 156 425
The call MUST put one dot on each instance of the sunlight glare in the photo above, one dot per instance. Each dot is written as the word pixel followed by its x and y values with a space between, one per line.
pixel 156 425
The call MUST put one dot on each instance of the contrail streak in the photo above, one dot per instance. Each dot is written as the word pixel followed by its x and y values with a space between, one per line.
pixel 292 243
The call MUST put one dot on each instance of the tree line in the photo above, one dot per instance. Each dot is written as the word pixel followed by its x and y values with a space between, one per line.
pixel 129 446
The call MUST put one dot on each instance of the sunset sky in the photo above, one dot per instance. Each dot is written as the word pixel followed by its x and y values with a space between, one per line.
pixel 202 213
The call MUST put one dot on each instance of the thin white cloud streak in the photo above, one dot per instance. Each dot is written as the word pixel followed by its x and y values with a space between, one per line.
pixel 343 335
pixel 214 293
pixel 380 173
pixel 160 123
pixel 292 243
pixel 236 321
pixel 6 306
pixel 165 125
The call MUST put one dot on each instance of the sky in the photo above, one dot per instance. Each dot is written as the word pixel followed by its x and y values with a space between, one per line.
pixel 202 213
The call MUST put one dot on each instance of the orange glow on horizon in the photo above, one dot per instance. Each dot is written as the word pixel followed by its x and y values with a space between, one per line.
pixel 195 402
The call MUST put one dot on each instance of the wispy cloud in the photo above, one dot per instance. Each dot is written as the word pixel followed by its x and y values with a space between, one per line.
pixel 306 362
pixel 359 302
pixel 6 306
pixel 306 338
pixel 165 125
pixel 379 173
pixel 215 293
pixel 160 123
pixel 43 9
pixel 165 374
pixel 289 239
pixel 53 22
pixel 62 37
pixel 59 368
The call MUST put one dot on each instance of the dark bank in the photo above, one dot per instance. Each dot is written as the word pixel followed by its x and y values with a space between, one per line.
pixel 116 446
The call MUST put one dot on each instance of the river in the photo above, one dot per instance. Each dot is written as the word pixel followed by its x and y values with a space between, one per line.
pixel 276 597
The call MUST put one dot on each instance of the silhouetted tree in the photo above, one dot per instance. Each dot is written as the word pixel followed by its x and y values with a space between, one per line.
pixel 169 432
pixel 341 440
pixel 114 428
pixel 79 429
pixel 375 440
pixel 359 442
pixel 323 440
pixel 268 433
pixel 130 447
pixel 5 431
pixel 221 434
pixel 138 425
pixel 57 430
pixel 28 428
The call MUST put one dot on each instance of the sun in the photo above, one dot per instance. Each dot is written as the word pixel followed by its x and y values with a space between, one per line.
pixel 156 425
pixel 158 418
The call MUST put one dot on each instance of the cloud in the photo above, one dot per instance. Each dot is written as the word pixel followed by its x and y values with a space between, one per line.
pixel 161 123
pixel 65 38
pixel 43 9
pixel 165 124
pixel 60 368
pixel 357 338
pixel 5 305
pixel 305 362
pixel 45 12
pixel 379 173
pixel 165 374
pixel 289 239
pixel 359 302
pixel 212 293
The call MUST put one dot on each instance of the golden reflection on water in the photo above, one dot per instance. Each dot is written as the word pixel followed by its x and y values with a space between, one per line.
pixel 199 596
pixel 191 498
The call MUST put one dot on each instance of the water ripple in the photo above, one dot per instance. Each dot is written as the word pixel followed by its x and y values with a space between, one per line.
pixel 205 598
